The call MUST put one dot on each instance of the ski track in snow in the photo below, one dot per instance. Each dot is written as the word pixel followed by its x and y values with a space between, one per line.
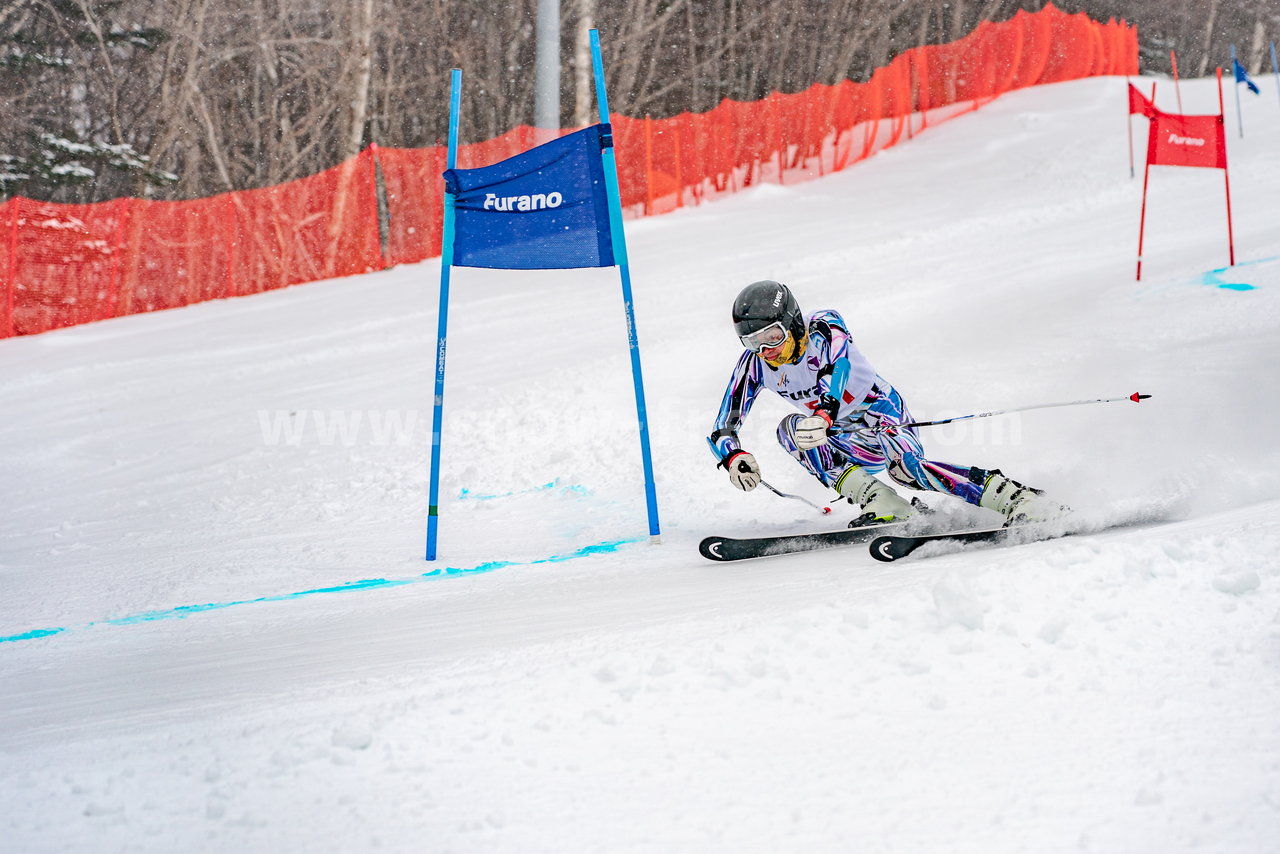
pixel 247 661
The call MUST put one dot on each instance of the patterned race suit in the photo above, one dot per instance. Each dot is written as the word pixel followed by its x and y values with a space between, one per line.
pixel 833 374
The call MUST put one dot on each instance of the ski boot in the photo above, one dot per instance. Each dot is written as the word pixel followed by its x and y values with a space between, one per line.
pixel 1017 502
pixel 878 501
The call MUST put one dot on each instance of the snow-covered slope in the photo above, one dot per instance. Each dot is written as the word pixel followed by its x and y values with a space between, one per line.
pixel 217 632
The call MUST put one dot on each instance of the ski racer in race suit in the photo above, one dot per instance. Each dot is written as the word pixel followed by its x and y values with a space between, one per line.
pixel 845 432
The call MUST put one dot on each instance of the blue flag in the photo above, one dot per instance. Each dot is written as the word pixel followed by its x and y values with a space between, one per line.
pixel 1243 77
pixel 544 209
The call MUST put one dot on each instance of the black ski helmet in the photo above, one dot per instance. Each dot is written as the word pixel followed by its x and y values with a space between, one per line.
pixel 763 303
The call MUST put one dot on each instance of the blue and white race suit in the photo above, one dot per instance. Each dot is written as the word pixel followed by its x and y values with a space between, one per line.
pixel 833 376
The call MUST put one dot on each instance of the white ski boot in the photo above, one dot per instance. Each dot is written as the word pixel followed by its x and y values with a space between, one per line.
pixel 1017 502
pixel 878 501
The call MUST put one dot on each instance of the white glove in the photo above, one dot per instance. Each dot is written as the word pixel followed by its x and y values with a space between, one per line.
pixel 744 472
pixel 811 431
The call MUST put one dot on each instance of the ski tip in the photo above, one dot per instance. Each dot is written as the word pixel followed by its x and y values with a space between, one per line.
pixel 826 511
pixel 710 548
pixel 1137 396
pixel 890 548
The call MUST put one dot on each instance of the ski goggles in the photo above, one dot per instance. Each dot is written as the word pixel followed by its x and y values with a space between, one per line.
pixel 763 339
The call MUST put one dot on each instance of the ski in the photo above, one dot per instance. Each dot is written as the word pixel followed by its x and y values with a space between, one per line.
pixel 729 548
pixel 893 547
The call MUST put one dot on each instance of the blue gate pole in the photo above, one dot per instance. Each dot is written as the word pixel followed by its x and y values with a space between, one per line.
pixel 1275 67
pixel 620 259
pixel 446 265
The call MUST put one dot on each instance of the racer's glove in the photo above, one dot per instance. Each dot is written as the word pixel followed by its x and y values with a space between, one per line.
pixel 744 471
pixel 811 431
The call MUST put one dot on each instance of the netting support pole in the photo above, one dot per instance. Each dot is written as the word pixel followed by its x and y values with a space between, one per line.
pixel 232 233
pixel 675 127
pixel 624 268
pixel 108 309
pixel 374 215
pixel 15 202
pixel 446 265
pixel 648 164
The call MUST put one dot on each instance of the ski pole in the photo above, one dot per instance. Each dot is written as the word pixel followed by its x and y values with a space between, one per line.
pixel 823 509
pixel 819 507
pixel 1135 397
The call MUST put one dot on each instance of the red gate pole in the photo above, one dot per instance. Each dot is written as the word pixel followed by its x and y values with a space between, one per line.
pixel 1222 138
pixel 1146 172
pixel 1231 240
pixel 1129 123
pixel 1173 59
pixel 1142 222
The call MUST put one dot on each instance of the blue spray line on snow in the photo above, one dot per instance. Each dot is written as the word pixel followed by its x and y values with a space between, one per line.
pixel 184 611
pixel 1213 278
pixel 574 489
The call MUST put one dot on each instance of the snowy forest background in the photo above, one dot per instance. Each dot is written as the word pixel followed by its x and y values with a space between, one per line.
pixel 172 99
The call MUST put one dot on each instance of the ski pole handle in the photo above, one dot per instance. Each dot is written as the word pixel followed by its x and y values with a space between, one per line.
pixel 1136 397
pixel 824 510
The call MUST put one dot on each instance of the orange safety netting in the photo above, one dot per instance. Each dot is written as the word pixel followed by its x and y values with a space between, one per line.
pixel 67 264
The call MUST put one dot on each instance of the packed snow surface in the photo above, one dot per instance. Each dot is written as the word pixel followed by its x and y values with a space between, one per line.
pixel 217 631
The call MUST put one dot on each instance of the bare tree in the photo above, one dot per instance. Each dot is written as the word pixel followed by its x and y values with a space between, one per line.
pixel 360 73
pixel 583 88
pixel 235 94
pixel 1205 54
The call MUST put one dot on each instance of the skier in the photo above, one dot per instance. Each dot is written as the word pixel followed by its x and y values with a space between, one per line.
pixel 847 430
